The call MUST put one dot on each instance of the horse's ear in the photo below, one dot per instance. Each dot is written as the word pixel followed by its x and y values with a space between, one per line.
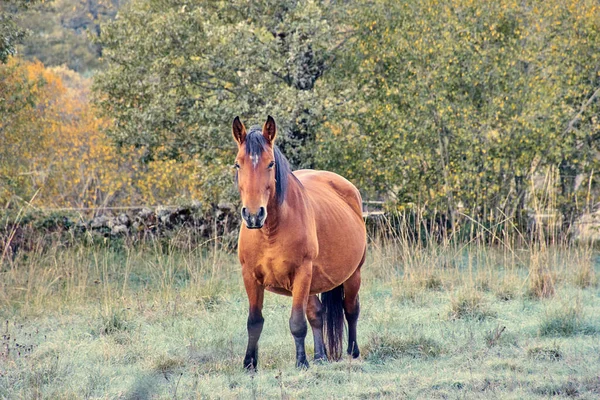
pixel 239 131
pixel 270 129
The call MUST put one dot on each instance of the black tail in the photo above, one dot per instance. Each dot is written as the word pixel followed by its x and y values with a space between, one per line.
pixel 333 307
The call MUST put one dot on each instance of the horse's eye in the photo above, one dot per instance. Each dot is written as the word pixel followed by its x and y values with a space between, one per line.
pixel 271 164
pixel 236 166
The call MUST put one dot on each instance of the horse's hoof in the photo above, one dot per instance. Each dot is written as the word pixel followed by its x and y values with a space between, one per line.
pixel 250 364
pixel 320 359
pixel 302 364
pixel 355 352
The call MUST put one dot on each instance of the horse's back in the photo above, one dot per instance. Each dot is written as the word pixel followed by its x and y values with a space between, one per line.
pixel 341 234
pixel 328 186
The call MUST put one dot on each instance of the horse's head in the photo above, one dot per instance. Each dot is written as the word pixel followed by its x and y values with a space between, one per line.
pixel 255 170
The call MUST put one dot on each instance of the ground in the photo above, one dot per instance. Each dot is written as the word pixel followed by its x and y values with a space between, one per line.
pixel 160 322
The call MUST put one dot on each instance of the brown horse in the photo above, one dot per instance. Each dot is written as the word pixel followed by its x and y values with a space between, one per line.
pixel 303 234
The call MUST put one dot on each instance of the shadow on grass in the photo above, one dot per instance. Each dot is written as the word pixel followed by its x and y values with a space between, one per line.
pixel 165 371
pixel 144 387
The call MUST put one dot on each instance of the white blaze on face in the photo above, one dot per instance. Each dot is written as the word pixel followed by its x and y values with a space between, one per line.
pixel 254 158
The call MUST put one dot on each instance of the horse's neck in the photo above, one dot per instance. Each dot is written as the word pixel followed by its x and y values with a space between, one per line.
pixel 293 207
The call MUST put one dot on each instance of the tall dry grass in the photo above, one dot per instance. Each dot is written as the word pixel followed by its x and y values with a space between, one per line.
pixel 49 277
pixel 509 264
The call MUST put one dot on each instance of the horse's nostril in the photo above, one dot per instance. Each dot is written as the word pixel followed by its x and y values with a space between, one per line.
pixel 254 220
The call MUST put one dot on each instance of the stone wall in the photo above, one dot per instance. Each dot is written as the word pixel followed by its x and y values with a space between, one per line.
pixel 35 229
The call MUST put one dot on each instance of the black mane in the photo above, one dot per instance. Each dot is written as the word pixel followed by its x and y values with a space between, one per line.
pixel 255 145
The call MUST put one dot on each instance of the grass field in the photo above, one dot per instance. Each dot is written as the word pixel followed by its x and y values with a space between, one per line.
pixel 168 321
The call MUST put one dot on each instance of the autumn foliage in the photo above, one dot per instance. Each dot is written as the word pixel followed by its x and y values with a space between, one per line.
pixel 53 152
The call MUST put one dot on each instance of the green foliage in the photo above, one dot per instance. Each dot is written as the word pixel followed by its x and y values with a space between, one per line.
pixel 449 105
pixel 11 33
pixel 459 104
pixel 60 32
pixel 179 71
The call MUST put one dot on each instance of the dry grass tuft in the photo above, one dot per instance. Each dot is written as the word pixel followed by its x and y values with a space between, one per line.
pixel 541 283
pixel 566 389
pixel 407 292
pixel 585 276
pixel 167 364
pixel 545 353
pixel 508 289
pixel 384 347
pixel 492 337
pixel 433 282
pixel 469 304
pixel 114 322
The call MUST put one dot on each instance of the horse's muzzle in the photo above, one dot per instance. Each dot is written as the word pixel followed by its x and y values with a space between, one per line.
pixel 254 221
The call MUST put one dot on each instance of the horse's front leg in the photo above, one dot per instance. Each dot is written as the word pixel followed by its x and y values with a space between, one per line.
pixel 298 326
pixel 255 294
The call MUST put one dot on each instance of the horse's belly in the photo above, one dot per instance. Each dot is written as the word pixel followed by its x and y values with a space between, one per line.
pixel 340 254
pixel 277 290
pixel 319 286
pixel 340 228
pixel 328 277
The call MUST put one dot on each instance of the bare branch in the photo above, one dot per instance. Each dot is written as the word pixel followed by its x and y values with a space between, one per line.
pixel 584 106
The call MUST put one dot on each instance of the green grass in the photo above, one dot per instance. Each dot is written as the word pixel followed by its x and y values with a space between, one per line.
pixel 567 321
pixel 165 323
pixel 387 346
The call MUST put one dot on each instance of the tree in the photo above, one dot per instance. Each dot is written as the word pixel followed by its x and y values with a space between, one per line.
pixel 451 106
pixel 459 105
pixel 60 32
pixel 11 34
pixel 179 71
pixel 26 92
pixel 53 149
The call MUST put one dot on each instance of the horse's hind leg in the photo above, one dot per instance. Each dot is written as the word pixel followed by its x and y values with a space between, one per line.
pixel 352 310
pixel 314 313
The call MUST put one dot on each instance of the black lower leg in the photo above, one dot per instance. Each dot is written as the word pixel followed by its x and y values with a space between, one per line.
pixel 320 352
pixel 255 326
pixel 298 328
pixel 352 319
pixel 315 318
